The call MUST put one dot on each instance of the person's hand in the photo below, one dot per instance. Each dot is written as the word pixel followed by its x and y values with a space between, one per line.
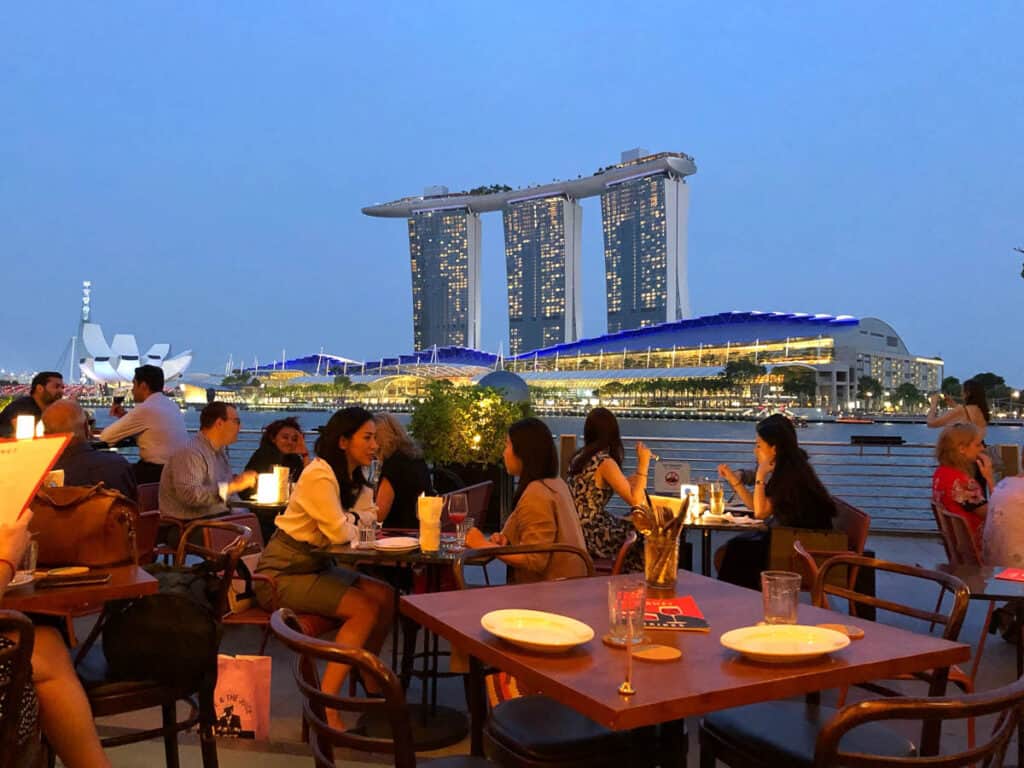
pixel 301 448
pixel 764 468
pixel 475 538
pixel 725 471
pixel 643 454
pixel 500 539
pixel 14 537
pixel 934 399
pixel 950 401
pixel 243 480
pixel 984 462
pixel 117 410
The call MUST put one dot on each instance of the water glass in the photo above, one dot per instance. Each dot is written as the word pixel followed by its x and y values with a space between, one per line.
pixel 780 591
pixel 461 529
pixel 29 557
pixel 627 597
pixel 367 534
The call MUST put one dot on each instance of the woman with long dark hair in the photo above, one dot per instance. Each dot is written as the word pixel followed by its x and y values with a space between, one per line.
pixel 595 473
pixel 281 444
pixel 786 492
pixel 973 411
pixel 330 499
pixel 543 509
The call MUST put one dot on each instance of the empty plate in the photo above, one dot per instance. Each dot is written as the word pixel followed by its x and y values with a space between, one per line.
pixel 784 643
pixel 397 544
pixel 537 630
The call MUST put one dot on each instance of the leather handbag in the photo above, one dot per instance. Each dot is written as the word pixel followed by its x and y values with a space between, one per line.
pixel 84 525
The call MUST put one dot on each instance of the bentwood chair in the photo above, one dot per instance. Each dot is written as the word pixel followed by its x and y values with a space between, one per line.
pixel 110 696
pixel 389 703
pixel 536 731
pixel 17 750
pixel 785 732
pixel 833 745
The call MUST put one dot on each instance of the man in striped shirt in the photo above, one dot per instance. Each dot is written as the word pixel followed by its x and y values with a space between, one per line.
pixel 197 480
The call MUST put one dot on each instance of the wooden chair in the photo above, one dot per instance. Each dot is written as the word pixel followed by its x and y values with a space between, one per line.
pixel 109 696
pixel 834 742
pixel 478 498
pixel 613 566
pixel 16 660
pixel 538 732
pixel 785 732
pixel 389 703
pixel 149 497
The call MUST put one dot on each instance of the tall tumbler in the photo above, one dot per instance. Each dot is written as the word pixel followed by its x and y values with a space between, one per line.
pixel 661 559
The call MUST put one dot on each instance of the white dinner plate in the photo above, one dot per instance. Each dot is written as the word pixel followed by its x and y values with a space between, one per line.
pixel 397 544
pixel 784 643
pixel 21 578
pixel 537 630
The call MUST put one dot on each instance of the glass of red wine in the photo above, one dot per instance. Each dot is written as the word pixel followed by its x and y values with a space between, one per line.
pixel 457 508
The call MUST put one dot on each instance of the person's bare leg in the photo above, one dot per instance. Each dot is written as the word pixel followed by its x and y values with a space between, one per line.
pixel 360 614
pixel 382 594
pixel 63 707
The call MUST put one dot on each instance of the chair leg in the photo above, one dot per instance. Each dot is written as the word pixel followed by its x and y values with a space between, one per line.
pixel 263 641
pixel 170 721
pixel 207 739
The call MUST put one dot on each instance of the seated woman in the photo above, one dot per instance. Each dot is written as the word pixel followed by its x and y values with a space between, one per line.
pixel 403 475
pixel 55 696
pixel 325 508
pixel 544 512
pixel 283 445
pixel 959 452
pixel 786 492
pixel 595 472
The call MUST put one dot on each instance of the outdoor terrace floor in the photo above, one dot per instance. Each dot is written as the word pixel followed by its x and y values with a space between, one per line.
pixel 285 748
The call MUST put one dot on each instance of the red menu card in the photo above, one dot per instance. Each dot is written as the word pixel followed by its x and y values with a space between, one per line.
pixel 678 613
pixel 1011 574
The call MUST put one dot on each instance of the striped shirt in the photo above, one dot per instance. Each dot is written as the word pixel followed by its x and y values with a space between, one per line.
pixel 194 480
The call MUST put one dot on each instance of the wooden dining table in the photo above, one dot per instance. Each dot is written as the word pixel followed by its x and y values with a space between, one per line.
pixel 126 581
pixel 706 678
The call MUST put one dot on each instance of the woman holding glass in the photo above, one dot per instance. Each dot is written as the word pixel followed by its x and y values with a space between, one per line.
pixel 544 512
pixel 595 473
pixel 330 500
pixel 786 492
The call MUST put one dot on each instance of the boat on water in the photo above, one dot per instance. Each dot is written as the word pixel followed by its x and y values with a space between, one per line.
pixel 854 420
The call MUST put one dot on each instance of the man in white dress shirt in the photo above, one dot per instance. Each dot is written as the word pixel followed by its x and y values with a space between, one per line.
pixel 155 422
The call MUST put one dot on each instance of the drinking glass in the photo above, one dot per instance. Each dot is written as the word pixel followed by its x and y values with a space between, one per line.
pixel 368 533
pixel 717 502
pixel 456 507
pixel 461 529
pixel 627 597
pixel 780 591
pixel 29 557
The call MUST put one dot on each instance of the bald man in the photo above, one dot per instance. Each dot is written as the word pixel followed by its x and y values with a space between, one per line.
pixel 83 464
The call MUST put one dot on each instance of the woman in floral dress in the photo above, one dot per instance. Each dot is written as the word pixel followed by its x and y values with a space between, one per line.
pixel 595 473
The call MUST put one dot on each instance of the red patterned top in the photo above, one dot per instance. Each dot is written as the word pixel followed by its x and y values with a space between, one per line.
pixel 959 493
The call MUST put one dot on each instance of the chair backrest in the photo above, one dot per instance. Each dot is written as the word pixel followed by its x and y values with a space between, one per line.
pixel 482 557
pixel 856 522
pixel 16 661
pixel 146 531
pixel 963 548
pixel 478 498
pixel 902 580
pixel 390 702
pixel 944 533
pixel 620 558
pixel 225 559
pixel 218 538
pixel 1006 702
pixel 148 496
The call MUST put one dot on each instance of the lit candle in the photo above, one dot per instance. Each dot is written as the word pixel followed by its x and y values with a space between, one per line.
pixel 266 489
pixel 24 427
pixel 40 428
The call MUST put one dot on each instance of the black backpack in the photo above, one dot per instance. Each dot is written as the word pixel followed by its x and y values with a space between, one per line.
pixel 171 637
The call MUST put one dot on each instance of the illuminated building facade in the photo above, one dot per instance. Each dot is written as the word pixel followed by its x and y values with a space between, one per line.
pixel 644 222
pixel 542 258
pixel 444 249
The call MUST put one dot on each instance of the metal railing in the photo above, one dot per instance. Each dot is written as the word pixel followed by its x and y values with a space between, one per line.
pixel 892 483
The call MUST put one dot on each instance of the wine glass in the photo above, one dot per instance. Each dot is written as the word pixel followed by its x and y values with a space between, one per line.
pixel 457 508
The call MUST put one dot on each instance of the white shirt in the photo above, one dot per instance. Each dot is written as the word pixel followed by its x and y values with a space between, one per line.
pixel 1003 540
pixel 315 515
pixel 159 425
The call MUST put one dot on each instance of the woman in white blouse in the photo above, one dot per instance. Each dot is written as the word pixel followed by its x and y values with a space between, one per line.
pixel 328 502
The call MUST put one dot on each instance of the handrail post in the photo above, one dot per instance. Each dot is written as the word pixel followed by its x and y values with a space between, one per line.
pixel 566 450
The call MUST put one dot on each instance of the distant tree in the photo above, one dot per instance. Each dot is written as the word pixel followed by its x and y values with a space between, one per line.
pixel 742 371
pixel 908 395
pixel 994 386
pixel 801 383
pixel 951 386
pixel 359 388
pixel 342 381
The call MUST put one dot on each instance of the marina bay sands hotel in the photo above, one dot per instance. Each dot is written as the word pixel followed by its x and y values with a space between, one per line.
pixel 644 207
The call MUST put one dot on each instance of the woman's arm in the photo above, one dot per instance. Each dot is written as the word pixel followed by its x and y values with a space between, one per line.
pixel 726 472
pixel 934 420
pixel 13 540
pixel 630 489
pixel 385 498
pixel 323 504
pixel 534 519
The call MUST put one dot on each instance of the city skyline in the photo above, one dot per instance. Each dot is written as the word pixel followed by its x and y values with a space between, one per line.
pixel 205 166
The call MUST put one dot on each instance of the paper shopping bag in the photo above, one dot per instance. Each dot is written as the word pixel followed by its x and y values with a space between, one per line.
pixel 242 697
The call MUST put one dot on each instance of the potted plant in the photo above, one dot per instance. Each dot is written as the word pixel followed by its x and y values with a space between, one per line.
pixel 462 431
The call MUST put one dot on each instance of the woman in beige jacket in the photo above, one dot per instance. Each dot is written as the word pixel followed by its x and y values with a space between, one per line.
pixel 544 512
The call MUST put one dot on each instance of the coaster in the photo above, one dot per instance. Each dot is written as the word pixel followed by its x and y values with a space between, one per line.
pixel 852 632
pixel 654 652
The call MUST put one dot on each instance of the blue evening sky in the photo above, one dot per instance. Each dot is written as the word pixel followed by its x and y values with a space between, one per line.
pixel 204 164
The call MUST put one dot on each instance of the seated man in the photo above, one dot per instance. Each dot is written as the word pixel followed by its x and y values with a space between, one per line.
pixel 155 420
pixel 47 387
pixel 83 464
pixel 197 480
